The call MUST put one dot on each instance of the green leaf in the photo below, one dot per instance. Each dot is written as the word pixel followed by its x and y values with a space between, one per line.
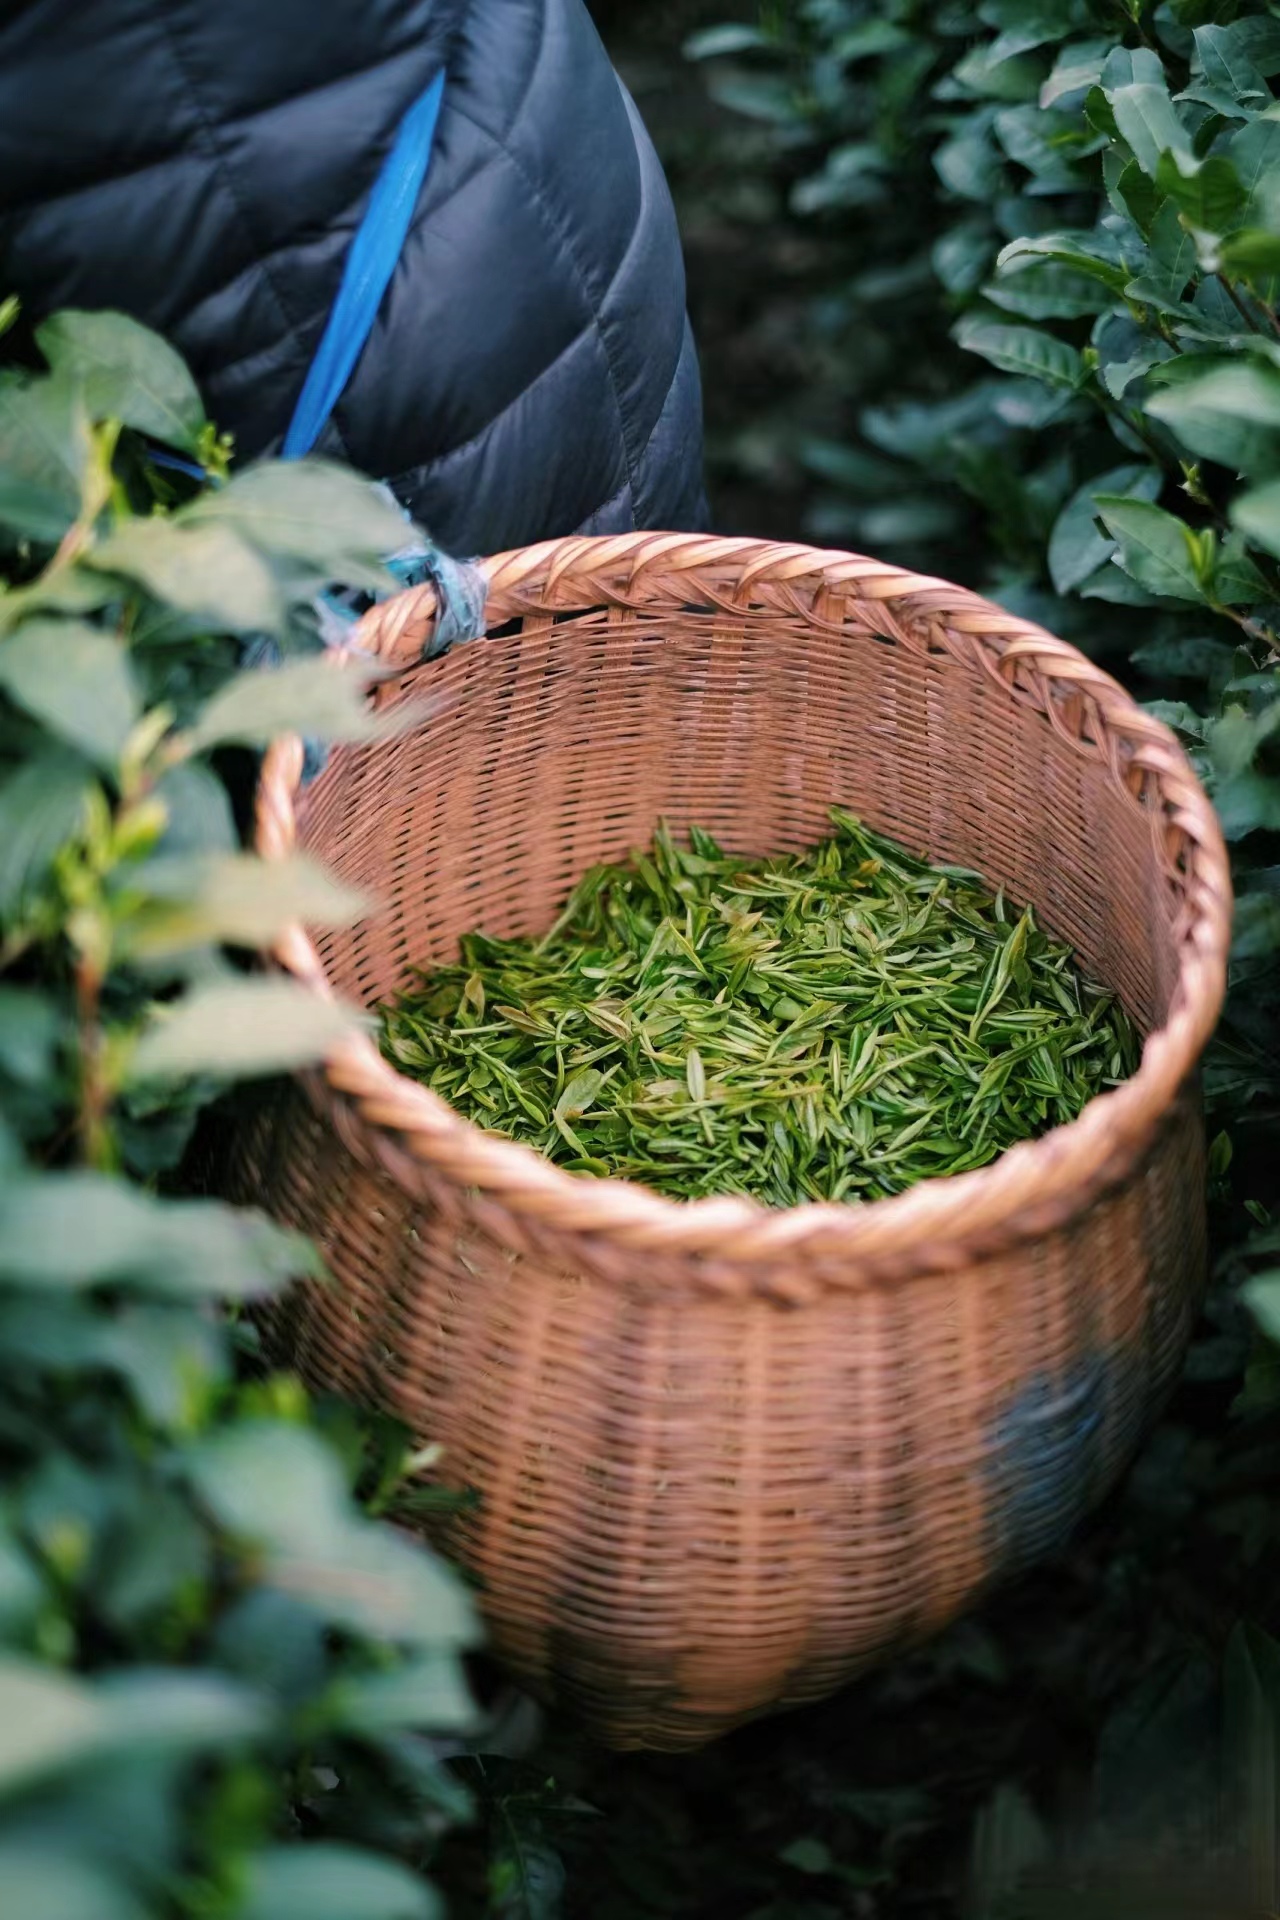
pixel 1037 141
pixel 1022 350
pixel 76 680
pixel 1077 548
pixel 922 431
pixel 1208 192
pixel 282 1489
pixel 912 519
pixel 1230 414
pixel 1226 60
pixel 1147 121
pixel 852 467
pixel 968 164
pixel 996 71
pixel 36 1879
pixel 1155 548
pixel 1098 114
pixel 868 39
pixel 163 1353
pixel 1116 589
pixel 767 97
pixel 209 572
pixel 1247 800
pixel 1172 258
pixel 1255 154
pixel 961 257
pixel 712 43
pixel 1087 253
pixel 1187 657
pixel 44 451
pixel 1209 324
pixel 21 1594
pixel 199 813
pixel 310 511
pixel 1255 933
pixel 1219 102
pixel 162 1711
pixel 50 1722
pixel 526 1875
pixel 1262 1297
pixel 1247 803
pixel 241 1029
pixel 237 899
pixel 312 696
pixel 849 177
pixel 808 1855
pixel 1236 580
pixel 56 590
pixel 1257 515
pixel 1258 38
pixel 158 1549
pixel 325 1880
pixel 53 1334
pixel 1236 738
pixel 579 1093
pixel 425 1694
pixel 1077 68
pixel 1252 252
pixel 1130 191
pixel 1132 66
pixel 1048 292
pixel 75 1230
pixel 31 1028
pixel 42 806
pixel 126 373
pixel 1118 376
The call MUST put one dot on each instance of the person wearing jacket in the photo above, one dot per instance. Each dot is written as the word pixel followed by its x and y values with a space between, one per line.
pixel 529 372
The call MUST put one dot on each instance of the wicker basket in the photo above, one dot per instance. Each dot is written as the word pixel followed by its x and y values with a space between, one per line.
pixel 726 1456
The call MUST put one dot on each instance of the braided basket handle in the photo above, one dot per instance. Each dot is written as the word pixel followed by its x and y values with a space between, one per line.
pixel 424 621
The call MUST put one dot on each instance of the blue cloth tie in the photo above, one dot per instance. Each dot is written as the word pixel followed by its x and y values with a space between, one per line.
pixel 371 261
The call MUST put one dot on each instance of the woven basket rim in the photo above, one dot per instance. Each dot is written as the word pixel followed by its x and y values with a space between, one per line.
pixel 1038 1183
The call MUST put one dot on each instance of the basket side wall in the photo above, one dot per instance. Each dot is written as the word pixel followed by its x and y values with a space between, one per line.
pixel 694 1508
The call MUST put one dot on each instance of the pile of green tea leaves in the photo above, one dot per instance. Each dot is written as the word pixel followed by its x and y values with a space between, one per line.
pixel 834 1025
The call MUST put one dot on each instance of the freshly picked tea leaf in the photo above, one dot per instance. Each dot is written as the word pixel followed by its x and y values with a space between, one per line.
pixel 834 1025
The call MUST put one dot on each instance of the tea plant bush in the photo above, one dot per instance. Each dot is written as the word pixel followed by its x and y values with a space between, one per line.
pixel 1068 215
pixel 221 1678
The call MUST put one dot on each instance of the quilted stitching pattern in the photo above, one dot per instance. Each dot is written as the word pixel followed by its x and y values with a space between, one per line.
pixel 530 372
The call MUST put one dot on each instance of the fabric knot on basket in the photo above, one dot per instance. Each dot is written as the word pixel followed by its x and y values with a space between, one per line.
pixel 460 592
pixel 724 1457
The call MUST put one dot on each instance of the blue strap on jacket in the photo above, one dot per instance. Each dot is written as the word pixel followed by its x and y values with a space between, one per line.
pixel 370 264
pixel 371 261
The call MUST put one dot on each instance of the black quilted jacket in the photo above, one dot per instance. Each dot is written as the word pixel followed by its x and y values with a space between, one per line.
pixel 204 163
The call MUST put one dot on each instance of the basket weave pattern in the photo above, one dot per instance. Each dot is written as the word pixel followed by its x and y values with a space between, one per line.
pixel 727 1456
